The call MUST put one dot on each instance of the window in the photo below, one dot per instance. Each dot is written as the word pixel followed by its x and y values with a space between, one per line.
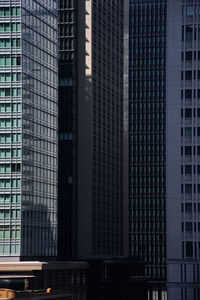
pixel 188 55
pixel 189 249
pixel 188 226
pixel 188 207
pixel 188 150
pixel 189 10
pixel 189 33
pixel 188 94
pixel 188 113
pixel 188 188
pixel 188 169
pixel 188 131
pixel 188 75
pixel 15 11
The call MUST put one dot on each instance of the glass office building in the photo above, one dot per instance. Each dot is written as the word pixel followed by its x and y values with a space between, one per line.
pixel 183 149
pixel 28 129
pixel 147 137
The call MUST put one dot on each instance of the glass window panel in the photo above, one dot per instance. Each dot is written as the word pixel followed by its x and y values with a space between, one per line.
pixel 18 27
pixel 18 92
pixel 8 153
pixel 1 61
pixel 7 43
pixel 188 226
pixel 13 11
pixel 2 77
pixel 14 92
pixel 7 108
pixel 8 138
pixel 189 10
pixel 13 42
pixel 18 183
pixel 7 214
pixel 7 198
pixel 18 198
pixel 7 92
pixel 188 188
pixel 14 61
pixel 6 12
pixel 7 60
pixel 19 107
pixel 188 131
pixel 18 43
pixel 18 76
pixel 18 12
pixel 7 77
pixel 189 33
pixel 7 234
pixel 14 107
pixel 14 77
pixel 13 26
pixel 2 92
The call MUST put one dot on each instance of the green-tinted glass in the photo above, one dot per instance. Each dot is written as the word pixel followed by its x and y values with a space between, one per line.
pixel 14 60
pixel 7 234
pixel 13 27
pixel 6 12
pixel 7 27
pixel 1 61
pixel 13 42
pixel 18 92
pixel 18 76
pixel 18 12
pixel 19 107
pixel 8 77
pixel 18 27
pixel 7 60
pixel 7 43
pixel 13 11
pixel 14 77
pixel 14 92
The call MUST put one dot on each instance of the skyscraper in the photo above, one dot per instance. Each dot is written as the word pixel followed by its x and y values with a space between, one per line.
pixel 147 137
pixel 183 149
pixel 164 141
pixel 90 129
pixel 28 129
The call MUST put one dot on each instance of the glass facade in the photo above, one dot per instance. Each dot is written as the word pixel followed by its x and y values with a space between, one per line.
pixel 28 128
pixel 107 58
pixel 147 187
